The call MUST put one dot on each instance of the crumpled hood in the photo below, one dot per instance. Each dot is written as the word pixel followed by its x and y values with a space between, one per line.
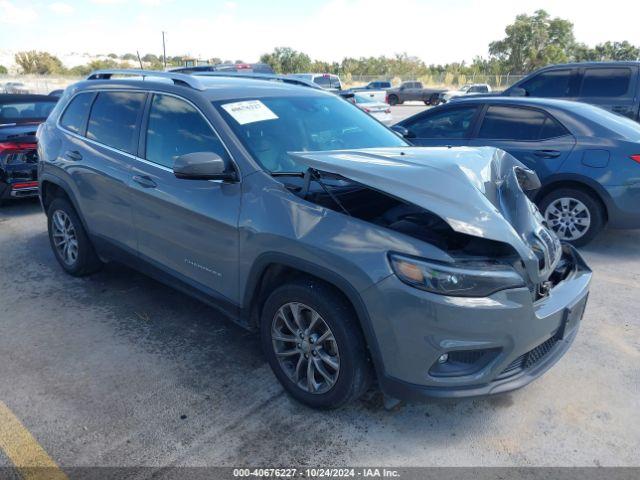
pixel 475 190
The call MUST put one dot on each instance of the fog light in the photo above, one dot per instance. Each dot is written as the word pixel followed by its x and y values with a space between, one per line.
pixel 443 358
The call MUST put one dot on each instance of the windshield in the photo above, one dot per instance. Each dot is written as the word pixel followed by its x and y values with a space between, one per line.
pixel 271 127
pixel 17 112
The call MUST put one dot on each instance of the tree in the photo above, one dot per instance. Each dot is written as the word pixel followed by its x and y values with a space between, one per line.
pixel 150 58
pixel 287 60
pixel 3 70
pixel 38 62
pixel 534 41
pixel 608 51
pixel 129 56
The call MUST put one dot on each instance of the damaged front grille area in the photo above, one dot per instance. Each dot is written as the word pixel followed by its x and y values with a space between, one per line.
pixel 529 359
pixel 564 267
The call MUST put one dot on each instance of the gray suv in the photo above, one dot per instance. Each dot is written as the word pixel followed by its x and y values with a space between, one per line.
pixel 356 256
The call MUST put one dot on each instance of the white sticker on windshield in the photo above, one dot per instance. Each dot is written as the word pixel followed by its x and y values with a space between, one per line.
pixel 249 111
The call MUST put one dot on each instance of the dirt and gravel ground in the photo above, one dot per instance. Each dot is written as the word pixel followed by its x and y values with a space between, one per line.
pixel 119 370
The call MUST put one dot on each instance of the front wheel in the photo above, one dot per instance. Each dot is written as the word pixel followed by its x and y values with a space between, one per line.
pixel 314 345
pixel 574 215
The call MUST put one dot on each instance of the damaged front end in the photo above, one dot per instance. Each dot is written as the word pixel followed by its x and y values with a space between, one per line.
pixel 468 202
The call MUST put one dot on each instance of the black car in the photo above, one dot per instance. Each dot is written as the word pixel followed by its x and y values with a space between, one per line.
pixel 614 86
pixel 20 116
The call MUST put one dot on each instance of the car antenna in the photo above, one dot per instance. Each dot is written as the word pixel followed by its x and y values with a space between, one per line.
pixel 139 60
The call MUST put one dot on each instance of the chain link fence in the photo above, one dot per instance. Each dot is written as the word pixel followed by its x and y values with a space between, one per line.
pixel 441 80
pixel 42 84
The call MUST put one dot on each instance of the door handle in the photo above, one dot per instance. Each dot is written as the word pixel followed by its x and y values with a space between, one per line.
pixel 73 155
pixel 144 181
pixel 547 153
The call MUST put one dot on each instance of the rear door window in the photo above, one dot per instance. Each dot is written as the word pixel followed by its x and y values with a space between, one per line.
pixel 605 82
pixel 176 128
pixel 75 116
pixel 114 119
pixel 555 83
pixel 522 124
pixel 453 123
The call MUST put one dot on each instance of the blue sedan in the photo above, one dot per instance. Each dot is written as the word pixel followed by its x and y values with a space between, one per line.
pixel 588 159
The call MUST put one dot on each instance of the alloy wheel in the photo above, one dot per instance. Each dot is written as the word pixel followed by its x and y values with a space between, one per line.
pixel 568 217
pixel 305 347
pixel 64 237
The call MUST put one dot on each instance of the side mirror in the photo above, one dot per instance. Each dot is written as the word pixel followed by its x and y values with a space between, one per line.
pixel 402 131
pixel 202 166
pixel 518 92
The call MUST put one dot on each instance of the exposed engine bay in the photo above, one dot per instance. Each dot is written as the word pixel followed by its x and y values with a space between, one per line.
pixel 365 203
pixel 360 201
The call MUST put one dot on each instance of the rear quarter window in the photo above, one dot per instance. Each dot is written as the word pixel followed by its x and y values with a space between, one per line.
pixel 21 111
pixel 75 115
pixel 114 119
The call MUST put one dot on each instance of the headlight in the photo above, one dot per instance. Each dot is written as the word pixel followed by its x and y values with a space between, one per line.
pixel 461 280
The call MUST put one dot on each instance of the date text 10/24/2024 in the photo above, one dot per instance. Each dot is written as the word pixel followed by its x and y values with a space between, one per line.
pixel 316 472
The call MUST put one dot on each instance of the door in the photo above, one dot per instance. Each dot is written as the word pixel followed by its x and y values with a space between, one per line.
pixel 442 127
pixel 612 88
pixel 415 91
pixel 188 228
pixel 100 141
pixel 531 135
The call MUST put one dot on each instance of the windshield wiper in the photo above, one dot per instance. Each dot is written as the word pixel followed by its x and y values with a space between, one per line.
pixel 287 174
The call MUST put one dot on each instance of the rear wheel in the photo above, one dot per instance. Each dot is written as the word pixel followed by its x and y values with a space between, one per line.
pixel 69 241
pixel 576 216
pixel 393 100
pixel 314 345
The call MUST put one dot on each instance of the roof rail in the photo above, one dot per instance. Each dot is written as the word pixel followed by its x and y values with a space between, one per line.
pixel 178 78
pixel 259 76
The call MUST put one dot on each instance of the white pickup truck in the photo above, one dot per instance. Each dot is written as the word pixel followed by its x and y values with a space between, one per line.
pixel 475 88
pixel 375 91
pixel 373 95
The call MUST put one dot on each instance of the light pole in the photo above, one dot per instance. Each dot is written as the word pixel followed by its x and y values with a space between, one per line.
pixel 164 52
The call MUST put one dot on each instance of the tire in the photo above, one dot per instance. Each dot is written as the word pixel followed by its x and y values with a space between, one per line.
pixel 586 224
pixel 85 261
pixel 394 100
pixel 348 348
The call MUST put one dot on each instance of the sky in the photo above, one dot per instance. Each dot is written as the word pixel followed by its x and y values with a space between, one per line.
pixel 437 31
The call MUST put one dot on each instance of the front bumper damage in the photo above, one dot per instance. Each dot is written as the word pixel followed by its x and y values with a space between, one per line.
pixel 507 340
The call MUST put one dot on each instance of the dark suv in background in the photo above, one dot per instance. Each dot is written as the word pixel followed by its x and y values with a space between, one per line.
pixel 614 86
pixel 20 115
pixel 300 216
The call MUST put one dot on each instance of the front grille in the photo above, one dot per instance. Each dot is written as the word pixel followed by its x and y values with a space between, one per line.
pixel 529 359
pixel 552 246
